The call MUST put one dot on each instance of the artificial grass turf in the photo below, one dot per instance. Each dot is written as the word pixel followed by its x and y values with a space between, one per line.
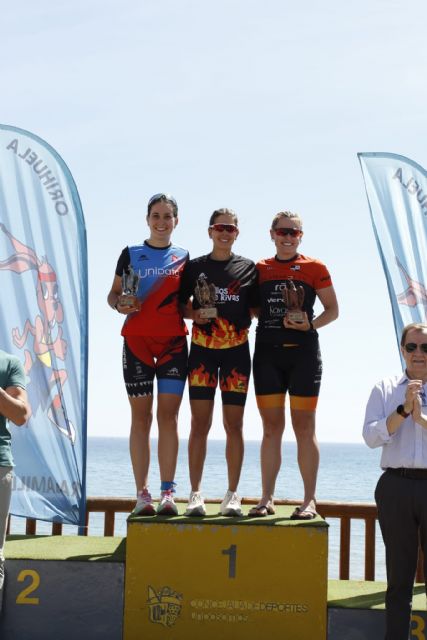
pixel 358 594
pixel 281 518
pixel 70 548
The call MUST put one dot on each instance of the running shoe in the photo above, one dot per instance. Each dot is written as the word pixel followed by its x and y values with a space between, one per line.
pixel 167 506
pixel 230 506
pixel 144 504
pixel 196 505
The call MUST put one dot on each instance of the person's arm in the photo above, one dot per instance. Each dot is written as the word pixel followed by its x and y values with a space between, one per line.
pixel 375 432
pixel 14 405
pixel 115 292
pixel 185 296
pixel 380 425
pixel 395 420
pixel 330 311
pixel 186 310
pixel 115 295
pixel 254 295
pixel 189 313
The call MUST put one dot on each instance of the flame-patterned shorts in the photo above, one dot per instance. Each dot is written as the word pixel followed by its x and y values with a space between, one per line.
pixel 162 356
pixel 279 369
pixel 232 366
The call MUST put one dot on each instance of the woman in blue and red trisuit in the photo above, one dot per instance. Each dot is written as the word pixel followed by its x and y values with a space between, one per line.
pixel 155 344
pixel 287 357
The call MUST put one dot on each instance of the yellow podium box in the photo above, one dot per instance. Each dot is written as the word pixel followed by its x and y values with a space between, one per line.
pixel 217 577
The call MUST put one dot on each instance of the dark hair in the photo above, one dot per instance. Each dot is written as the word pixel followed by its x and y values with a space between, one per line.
pixel 163 197
pixel 286 214
pixel 418 326
pixel 223 212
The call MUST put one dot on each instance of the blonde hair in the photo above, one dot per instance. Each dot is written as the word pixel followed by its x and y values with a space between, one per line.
pixel 288 215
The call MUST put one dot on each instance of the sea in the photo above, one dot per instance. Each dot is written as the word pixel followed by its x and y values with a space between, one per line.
pixel 347 473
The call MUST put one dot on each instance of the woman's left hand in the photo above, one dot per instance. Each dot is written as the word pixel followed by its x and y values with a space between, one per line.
pixel 299 326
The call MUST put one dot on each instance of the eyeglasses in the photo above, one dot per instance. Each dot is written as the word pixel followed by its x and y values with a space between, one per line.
pixel 220 227
pixel 284 231
pixel 410 347
pixel 162 196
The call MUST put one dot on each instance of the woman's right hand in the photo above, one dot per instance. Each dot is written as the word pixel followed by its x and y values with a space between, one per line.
pixel 198 319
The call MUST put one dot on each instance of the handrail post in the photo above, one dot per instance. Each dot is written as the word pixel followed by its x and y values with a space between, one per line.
pixel 370 549
pixel 109 522
pixel 345 548
pixel 30 526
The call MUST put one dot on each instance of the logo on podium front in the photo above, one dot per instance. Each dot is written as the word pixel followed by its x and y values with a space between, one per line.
pixel 164 606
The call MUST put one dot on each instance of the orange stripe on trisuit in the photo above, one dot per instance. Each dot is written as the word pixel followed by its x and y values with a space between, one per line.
pixel 271 401
pixel 303 403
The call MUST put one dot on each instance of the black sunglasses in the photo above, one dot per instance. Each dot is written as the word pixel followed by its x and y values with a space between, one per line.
pixel 410 347
pixel 284 231
pixel 220 226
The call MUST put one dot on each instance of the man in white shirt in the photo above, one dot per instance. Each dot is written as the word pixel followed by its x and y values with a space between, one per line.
pixel 396 420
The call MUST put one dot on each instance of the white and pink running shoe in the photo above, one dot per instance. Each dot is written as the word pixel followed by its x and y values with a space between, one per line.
pixel 167 506
pixel 144 504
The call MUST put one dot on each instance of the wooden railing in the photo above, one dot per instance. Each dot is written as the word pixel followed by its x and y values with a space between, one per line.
pixel 345 512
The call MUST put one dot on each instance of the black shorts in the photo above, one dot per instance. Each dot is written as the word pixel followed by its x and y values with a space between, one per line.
pixel 294 369
pixel 145 357
pixel 233 366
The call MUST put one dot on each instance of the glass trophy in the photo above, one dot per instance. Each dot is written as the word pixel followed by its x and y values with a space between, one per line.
pixel 130 284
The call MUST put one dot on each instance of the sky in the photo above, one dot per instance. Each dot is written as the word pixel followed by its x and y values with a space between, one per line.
pixel 259 107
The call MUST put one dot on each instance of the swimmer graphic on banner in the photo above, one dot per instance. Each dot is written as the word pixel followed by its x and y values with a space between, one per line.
pixel 43 279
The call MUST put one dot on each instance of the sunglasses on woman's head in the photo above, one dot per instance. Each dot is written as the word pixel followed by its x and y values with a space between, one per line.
pixel 160 196
pixel 284 231
pixel 410 347
pixel 220 226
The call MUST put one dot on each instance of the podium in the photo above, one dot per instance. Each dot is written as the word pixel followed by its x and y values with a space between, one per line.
pixel 356 610
pixel 68 587
pixel 227 578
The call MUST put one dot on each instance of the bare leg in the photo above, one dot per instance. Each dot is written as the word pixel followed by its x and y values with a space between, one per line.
pixel 139 444
pixel 233 425
pixel 273 422
pixel 304 423
pixel 201 422
pixel 167 418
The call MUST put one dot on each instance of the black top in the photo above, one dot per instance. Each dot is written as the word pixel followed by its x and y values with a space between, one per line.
pixel 230 286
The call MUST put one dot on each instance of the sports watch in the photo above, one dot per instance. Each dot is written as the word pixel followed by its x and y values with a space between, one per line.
pixel 401 411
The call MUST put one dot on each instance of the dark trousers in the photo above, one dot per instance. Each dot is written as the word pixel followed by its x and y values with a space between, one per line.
pixel 402 514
